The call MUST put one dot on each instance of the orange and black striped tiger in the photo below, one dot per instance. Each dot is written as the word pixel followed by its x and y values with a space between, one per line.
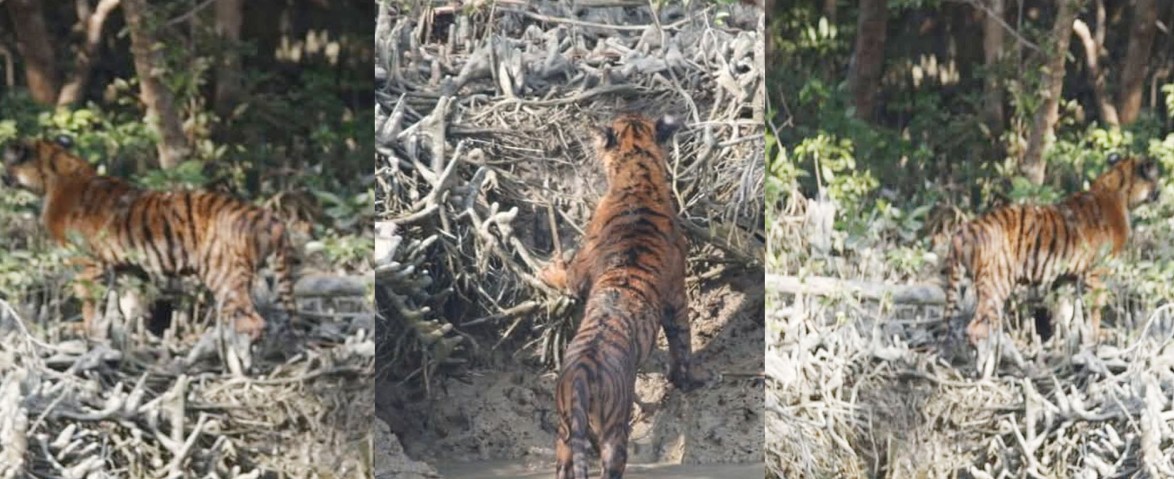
pixel 631 269
pixel 161 233
pixel 1038 245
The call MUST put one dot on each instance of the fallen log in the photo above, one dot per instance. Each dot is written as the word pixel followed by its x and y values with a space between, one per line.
pixel 821 286
pixel 325 285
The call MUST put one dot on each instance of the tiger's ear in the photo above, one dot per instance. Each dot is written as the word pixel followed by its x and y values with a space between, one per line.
pixel 665 127
pixel 1148 169
pixel 605 138
pixel 1114 158
pixel 65 141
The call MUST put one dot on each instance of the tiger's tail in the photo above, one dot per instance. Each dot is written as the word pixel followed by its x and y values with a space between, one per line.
pixel 283 275
pixel 277 240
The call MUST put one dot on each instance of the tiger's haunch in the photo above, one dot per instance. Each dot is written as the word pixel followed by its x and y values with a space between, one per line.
pixel 631 268
pixel 212 236
pixel 1041 244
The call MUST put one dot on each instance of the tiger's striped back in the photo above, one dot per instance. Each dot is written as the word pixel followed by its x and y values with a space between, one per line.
pixel 1040 244
pixel 215 237
pixel 631 268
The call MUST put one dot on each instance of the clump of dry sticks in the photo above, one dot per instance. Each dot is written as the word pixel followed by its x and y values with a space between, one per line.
pixel 483 123
pixel 857 386
pixel 72 408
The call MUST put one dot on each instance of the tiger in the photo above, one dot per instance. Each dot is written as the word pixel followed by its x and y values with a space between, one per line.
pixel 630 267
pixel 121 227
pixel 1040 245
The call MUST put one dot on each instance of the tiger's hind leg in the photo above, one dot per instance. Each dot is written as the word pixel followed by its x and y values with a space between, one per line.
pixel 84 289
pixel 232 287
pixel 562 449
pixel 615 459
pixel 613 447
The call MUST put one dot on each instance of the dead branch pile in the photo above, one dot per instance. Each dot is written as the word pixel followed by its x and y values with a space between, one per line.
pixel 71 409
pixel 483 119
pixel 858 388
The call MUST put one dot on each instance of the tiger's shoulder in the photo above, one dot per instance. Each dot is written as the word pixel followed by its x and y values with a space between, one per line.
pixel 633 228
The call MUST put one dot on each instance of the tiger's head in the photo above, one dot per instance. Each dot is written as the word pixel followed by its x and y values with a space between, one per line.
pixel 1135 179
pixel 32 164
pixel 633 139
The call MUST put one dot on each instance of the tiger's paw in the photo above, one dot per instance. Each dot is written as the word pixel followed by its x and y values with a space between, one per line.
pixel 692 378
pixel 978 331
pixel 555 274
pixel 251 327
pixel 231 348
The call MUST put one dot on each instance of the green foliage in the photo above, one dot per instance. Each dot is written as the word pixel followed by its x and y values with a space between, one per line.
pixel 890 223
pixel 189 174
pixel 301 123
pixel 347 250
pixel 348 212
pixel 1168 89
pixel 782 175
pixel 834 164
pixel 1024 191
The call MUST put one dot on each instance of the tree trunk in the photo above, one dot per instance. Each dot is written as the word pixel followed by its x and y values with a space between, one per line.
pixel 992 49
pixel 1092 57
pixel 1141 39
pixel 1041 136
pixel 83 68
pixel 229 17
pixel 149 63
pixel 868 61
pixel 36 48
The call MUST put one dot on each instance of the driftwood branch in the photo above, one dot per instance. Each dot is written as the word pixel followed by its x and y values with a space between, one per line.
pixel 322 285
pixel 821 286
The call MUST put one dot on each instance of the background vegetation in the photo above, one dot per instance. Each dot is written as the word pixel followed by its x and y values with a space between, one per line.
pixel 486 172
pixel 265 100
pixel 270 98
pixel 893 121
pixel 942 130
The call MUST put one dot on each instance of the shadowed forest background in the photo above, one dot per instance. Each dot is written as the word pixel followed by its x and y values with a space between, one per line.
pixel 957 101
pixel 891 123
pixel 267 101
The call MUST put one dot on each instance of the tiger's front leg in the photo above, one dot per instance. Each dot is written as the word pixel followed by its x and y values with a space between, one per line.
pixel 555 274
pixel 1098 298
pixel 85 289
pixel 685 375
pixel 567 276
pixel 233 291
pixel 988 312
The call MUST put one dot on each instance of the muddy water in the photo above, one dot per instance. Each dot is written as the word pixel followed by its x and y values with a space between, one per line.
pixel 520 470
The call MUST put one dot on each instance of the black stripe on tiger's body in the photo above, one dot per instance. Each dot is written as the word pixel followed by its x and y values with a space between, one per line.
pixel 1039 245
pixel 630 267
pixel 217 238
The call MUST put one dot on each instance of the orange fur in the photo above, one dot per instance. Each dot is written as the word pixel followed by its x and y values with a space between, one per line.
pixel 631 269
pixel 1041 244
pixel 217 238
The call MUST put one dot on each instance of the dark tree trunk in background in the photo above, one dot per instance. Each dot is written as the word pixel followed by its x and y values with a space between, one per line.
pixel 229 18
pixel 1042 136
pixel 92 23
pixel 993 40
pixel 1133 72
pixel 1092 55
pixel 36 49
pixel 829 11
pixel 868 61
pixel 160 102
